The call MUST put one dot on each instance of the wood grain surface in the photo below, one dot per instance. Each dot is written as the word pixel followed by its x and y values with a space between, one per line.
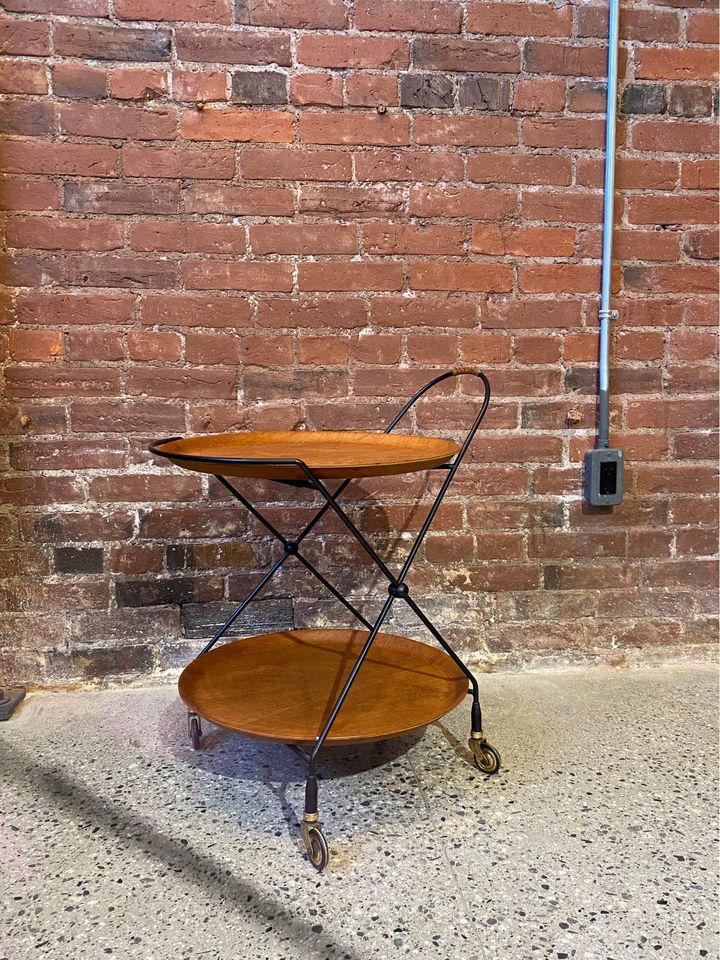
pixel 330 454
pixel 282 686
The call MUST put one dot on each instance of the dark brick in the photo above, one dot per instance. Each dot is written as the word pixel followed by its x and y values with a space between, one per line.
pixel 158 592
pixel 459 54
pixel 644 98
pixel 78 559
pixel 101 662
pixel 630 380
pixel 102 196
pixel 587 96
pixel 117 271
pixel 26 118
pixel 77 526
pixel 296 14
pixel 22 666
pixel 701 244
pixel 202 620
pixel 79 82
pixel 122 627
pixel 551 577
pixel 29 270
pixel 688 100
pixel 596 576
pixel 261 86
pixel 112 43
pixel 232 46
pixel 182 523
pixel 22 630
pixel 484 93
pixel 204 556
pixel 426 90
pixel 179 556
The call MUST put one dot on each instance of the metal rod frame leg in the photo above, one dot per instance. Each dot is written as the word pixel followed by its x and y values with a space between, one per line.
pixel 476 713
pixel 397 588
pixel 291 549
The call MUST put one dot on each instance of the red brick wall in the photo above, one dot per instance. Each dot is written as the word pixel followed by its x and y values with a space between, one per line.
pixel 228 218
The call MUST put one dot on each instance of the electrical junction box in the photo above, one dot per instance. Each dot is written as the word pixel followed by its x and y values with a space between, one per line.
pixel 603 477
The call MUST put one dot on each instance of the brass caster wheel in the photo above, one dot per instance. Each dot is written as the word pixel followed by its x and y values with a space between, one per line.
pixel 485 755
pixel 316 845
pixel 194 730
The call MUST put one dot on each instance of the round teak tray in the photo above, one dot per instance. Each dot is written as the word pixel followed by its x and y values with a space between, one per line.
pixel 332 455
pixel 282 686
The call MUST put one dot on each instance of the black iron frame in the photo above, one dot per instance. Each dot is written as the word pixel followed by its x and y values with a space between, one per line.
pixel 397 588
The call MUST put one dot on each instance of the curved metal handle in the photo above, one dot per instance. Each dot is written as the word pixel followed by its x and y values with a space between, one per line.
pixel 458 459
pixel 455 372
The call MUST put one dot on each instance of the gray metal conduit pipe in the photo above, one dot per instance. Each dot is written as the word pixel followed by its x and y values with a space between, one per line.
pixel 603 467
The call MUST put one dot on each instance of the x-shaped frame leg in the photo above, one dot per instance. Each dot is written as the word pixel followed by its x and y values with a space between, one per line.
pixel 291 548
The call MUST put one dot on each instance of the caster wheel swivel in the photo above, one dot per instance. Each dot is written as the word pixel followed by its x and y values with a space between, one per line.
pixel 194 730
pixel 485 755
pixel 315 844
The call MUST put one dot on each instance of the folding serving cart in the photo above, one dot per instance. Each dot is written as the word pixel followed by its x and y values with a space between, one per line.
pixel 315 687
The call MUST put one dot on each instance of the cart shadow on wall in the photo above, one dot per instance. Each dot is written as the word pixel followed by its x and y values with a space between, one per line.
pixel 289 600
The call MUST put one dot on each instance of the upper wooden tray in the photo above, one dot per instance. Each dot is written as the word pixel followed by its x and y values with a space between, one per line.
pixel 332 455
pixel 282 686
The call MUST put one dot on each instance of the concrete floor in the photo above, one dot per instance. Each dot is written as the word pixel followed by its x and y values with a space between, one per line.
pixel 596 841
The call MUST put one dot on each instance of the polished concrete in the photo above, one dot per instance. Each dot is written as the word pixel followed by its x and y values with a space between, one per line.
pixel 596 841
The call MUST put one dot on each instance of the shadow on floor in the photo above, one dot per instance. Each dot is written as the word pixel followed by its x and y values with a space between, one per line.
pixel 274 765
pixel 80 804
pixel 230 755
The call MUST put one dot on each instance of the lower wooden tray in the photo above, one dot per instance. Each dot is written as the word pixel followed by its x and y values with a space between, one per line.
pixel 282 686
